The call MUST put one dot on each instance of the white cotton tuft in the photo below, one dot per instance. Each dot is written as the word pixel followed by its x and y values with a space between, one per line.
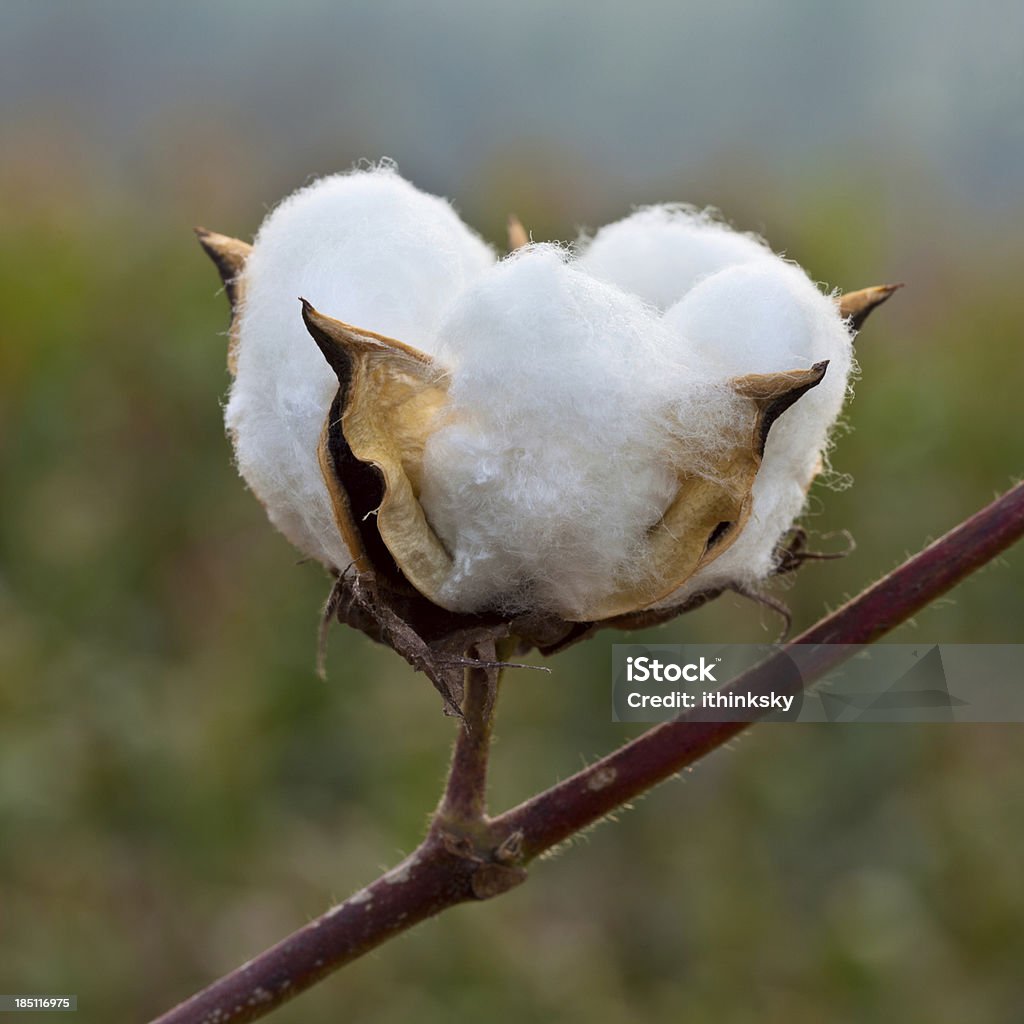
pixel 768 317
pixel 365 247
pixel 555 463
pixel 660 252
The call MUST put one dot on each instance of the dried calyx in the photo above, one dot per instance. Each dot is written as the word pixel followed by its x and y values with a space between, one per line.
pixel 392 401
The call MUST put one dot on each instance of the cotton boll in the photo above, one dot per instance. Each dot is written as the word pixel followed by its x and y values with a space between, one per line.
pixel 660 252
pixel 762 318
pixel 372 250
pixel 565 408
pixel 554 462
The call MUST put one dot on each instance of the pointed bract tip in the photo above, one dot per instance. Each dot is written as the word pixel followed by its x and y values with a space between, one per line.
pixel 771 387
pixel 336 331
pixel 517 234
pixel 857 306
pixel 228 255
pixel 329 339
pixel 774 393
pixel 339 341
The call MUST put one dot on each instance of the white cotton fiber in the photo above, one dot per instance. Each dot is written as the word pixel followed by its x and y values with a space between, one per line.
pixel 579 389
pixel 555 462
pixel 766 317
pixel 365 247
pixel 660 252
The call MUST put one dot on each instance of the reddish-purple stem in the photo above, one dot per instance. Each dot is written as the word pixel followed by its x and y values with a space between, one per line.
pixel 453 865
pixel 552 816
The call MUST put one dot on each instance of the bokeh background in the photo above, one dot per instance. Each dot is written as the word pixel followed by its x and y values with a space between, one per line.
pixel 178 790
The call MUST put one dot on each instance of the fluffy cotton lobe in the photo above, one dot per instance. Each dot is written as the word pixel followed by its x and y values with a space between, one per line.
pixel 560 453
pixel 660 252
pixel 374 251
pixel 760 318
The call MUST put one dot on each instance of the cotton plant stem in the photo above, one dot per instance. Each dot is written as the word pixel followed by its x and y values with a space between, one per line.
pixel 465 796
pixel 455 866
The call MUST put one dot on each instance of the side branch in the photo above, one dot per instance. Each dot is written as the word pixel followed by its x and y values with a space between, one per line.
pixel 556 814
pixel 456 863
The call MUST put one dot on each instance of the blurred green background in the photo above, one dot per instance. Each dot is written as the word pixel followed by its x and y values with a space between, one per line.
pixel 178 790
